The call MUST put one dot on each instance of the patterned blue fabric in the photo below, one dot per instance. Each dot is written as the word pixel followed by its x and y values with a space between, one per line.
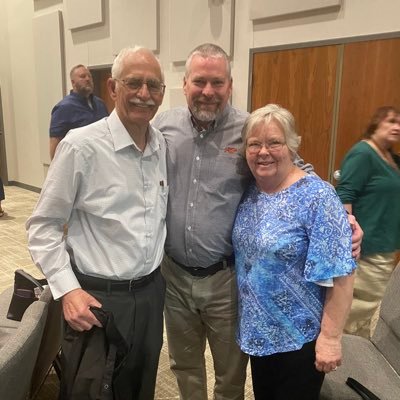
pixel 284 244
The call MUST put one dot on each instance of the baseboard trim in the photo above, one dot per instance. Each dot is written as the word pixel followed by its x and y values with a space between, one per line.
pixel 24 186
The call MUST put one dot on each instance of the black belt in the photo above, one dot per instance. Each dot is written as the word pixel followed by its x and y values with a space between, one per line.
pixel 107 285
pixel 207 271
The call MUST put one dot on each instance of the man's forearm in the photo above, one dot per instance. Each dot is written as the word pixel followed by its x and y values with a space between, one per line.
pixel 53 145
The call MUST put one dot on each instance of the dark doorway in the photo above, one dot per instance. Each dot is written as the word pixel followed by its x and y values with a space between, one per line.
pixel 100 77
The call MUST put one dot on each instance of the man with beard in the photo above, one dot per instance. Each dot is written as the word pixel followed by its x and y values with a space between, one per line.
pixel 77 109
pixel 207 177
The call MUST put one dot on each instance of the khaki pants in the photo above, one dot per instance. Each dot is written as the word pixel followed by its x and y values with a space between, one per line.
pixel 199 309
pixel 372 275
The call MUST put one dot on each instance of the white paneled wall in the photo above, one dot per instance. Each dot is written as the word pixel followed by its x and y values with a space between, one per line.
pixel 81 14
pixel 198 21
pixel 140 21
pixel 92 31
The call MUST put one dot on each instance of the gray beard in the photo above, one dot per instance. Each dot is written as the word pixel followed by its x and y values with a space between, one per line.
pixel 204 116
pixel 85 91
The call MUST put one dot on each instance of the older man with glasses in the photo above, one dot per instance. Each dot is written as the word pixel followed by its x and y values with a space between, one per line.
pixel 108 182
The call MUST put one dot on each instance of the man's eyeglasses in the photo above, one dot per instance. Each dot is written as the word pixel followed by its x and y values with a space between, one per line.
pixel 134 84
pixel 255 147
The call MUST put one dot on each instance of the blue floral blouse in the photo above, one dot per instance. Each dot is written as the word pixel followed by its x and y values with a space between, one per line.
pixel 288 247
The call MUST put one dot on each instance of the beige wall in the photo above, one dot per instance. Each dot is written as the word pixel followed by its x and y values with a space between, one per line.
pixel 95 45
pixel 6 92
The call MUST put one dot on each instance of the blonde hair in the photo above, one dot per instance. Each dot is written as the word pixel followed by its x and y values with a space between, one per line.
pixel 266 114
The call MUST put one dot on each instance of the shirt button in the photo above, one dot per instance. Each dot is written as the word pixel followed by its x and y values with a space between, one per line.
pixel 189 228
pixel 190 250
pixel 201 135
pixel 194 180
pixel 197 158
pixel 191 204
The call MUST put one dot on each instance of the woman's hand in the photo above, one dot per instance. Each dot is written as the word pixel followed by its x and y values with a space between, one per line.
pixel 328 353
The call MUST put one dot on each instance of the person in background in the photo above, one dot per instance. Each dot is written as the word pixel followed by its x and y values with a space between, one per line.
pixel 207 177
pixel 2 197
pixel 77 109
pixel 108 181
pixel 292 244
pixel 369 187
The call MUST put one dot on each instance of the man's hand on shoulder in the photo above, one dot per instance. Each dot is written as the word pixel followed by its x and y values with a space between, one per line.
pixel 356 237
pixel 76 310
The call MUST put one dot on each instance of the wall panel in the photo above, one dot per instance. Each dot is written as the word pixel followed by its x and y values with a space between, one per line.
pixel 271 8
pixel 83 13
pixel 49 67
pixel 139 19
pixel 198 21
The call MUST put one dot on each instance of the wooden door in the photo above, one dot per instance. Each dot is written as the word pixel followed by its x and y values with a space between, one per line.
pixel 100 78
pixel 304 82
pixel 370 79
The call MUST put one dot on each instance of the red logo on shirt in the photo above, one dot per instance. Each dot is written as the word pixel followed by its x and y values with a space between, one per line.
pixel 230 150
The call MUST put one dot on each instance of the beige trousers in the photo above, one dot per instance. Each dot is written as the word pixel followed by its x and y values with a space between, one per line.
pixel 199 309
pixel 372 275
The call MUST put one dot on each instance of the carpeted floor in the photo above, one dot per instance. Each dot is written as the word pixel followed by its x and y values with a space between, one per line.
pixel 18 206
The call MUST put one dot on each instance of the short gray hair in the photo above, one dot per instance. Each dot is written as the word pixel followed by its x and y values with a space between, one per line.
pixel 266 114
pixel 126 52
pixel 74 68
pixel 208 50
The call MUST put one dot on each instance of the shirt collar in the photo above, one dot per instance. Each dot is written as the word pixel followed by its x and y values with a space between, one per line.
pixel 122 139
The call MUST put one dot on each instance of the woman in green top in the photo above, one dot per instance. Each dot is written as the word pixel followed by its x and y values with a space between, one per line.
pixel 369 188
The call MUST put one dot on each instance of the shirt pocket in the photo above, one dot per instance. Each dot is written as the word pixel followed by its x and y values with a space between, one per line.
pixel 222 173
pixel 163 200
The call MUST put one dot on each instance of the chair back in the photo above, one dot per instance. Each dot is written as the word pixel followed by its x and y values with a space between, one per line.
pixel 387 334
pixel 50 343
pixel 18 355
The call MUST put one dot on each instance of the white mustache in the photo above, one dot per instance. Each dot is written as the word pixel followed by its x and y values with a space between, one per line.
pixel 143 103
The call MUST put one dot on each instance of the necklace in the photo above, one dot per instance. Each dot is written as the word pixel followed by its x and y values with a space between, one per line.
pixel 385 154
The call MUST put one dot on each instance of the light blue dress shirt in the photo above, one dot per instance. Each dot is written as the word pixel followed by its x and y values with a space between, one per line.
pixel 113 198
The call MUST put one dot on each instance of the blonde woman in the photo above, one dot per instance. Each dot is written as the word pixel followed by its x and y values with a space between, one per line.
pixel 292 243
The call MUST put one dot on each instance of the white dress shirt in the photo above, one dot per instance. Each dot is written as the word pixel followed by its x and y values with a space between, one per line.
pixel 113 198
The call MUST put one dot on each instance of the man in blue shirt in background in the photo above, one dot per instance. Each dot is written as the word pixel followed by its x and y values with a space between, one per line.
pixel 77 109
